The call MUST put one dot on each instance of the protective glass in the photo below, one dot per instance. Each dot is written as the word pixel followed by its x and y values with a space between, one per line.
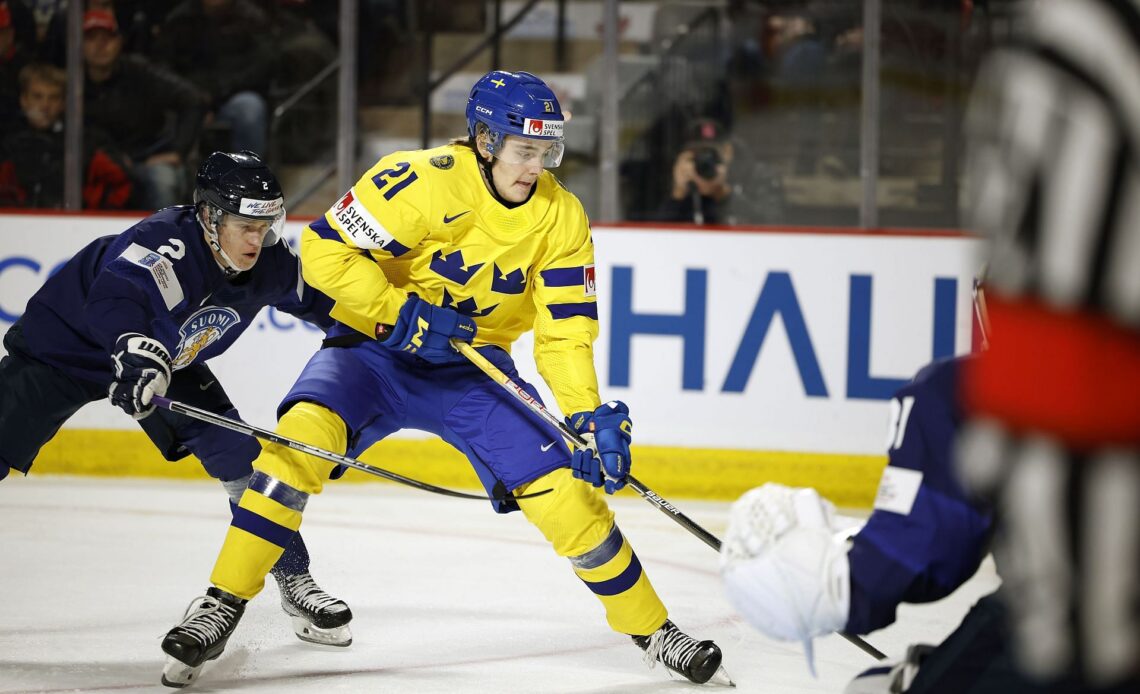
pixel 526 151
pixel 276 225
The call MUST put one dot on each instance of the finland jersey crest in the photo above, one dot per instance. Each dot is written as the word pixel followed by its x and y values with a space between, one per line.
pixel 201 330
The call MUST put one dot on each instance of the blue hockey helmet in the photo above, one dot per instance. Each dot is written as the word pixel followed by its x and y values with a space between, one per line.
pixel 519 104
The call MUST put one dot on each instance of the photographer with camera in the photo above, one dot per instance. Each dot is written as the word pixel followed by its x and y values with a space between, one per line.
pixel 715 183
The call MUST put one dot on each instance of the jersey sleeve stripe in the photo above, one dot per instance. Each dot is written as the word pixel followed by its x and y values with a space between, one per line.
pixel 396 248
pixel 564 277
pixel 589 309
pixel 325 230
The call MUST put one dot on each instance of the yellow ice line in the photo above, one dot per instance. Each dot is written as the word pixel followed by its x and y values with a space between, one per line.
pixel 694 473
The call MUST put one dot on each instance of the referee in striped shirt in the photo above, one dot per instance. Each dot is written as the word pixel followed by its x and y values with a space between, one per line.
pixel 1054 437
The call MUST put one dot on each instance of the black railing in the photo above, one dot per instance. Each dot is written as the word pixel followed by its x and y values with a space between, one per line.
pixel 492 40
pixel 285 106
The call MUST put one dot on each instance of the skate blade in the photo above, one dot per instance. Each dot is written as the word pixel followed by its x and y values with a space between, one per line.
pixel 721 678
pixel 337 636
pixel 178 674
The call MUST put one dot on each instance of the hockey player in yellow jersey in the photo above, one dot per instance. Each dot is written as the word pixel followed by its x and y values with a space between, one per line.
pixel 474 240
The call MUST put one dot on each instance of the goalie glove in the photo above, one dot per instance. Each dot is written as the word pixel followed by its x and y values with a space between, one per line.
pixel 783 565
pixel 606 459
pixel 142 371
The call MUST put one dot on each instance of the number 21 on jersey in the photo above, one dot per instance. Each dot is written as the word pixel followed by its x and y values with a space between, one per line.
pixel 383 178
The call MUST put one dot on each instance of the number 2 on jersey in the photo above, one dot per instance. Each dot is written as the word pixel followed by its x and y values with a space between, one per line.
pixel 383 178
pixel 175 250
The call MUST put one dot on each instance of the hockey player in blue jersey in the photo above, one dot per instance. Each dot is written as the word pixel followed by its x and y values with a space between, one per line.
pixel 138 314
pixel 793 576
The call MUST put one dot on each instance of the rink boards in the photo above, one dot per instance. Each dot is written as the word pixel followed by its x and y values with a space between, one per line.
pixel 745 355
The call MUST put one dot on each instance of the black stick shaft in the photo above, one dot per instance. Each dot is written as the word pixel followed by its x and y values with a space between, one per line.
pixel 272 437
pixel 646 493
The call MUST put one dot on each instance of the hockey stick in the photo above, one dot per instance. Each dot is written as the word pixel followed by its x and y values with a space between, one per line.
pixel 578 442
pixel 266 435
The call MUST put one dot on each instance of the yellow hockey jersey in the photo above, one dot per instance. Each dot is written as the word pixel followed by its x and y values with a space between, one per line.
pixel 424 222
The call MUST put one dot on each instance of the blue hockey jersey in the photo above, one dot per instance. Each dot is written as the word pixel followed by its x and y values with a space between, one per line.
pixel 925 537
pixel 160 279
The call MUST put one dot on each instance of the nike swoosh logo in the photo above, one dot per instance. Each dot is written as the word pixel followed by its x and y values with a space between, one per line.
pixel 207 385
pixel 547 446
pixel 449 220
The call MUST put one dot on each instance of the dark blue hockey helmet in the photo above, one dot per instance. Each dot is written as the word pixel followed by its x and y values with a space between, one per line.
pixel 241 184
pixel 519 104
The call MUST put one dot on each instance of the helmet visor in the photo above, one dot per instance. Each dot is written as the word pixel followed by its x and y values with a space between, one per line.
pixel 527 151
pixel 273 227
pixel 272 210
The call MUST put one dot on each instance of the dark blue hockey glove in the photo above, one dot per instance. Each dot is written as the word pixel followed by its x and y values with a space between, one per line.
pixel 142 371
pixel 425 331
pixel 606 460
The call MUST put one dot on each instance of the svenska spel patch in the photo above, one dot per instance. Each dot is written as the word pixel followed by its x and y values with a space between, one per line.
pixel 588 281
pixel 534 127
pixel 345 200
pixel 355 220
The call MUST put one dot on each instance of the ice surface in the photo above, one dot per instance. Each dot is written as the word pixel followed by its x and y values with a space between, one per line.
pixel 447 597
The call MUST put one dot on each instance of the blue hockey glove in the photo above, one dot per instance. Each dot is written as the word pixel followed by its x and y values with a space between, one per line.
pixel 605 460
pixel 142 371
pixel 425 331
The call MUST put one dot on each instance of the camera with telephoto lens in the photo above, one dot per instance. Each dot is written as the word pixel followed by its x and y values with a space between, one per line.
pixel 705 162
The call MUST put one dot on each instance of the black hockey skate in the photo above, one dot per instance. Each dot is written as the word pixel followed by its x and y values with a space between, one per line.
pixel 696 661
pixel 317 616
pixel 201 636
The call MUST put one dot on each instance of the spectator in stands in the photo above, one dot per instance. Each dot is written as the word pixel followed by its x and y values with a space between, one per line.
pixel 223 47
pixel 31 155
pixel 130 98
pixel 13 57
pixel 42 12
pixel 713 183
pixel 138 22
pixel 24 22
